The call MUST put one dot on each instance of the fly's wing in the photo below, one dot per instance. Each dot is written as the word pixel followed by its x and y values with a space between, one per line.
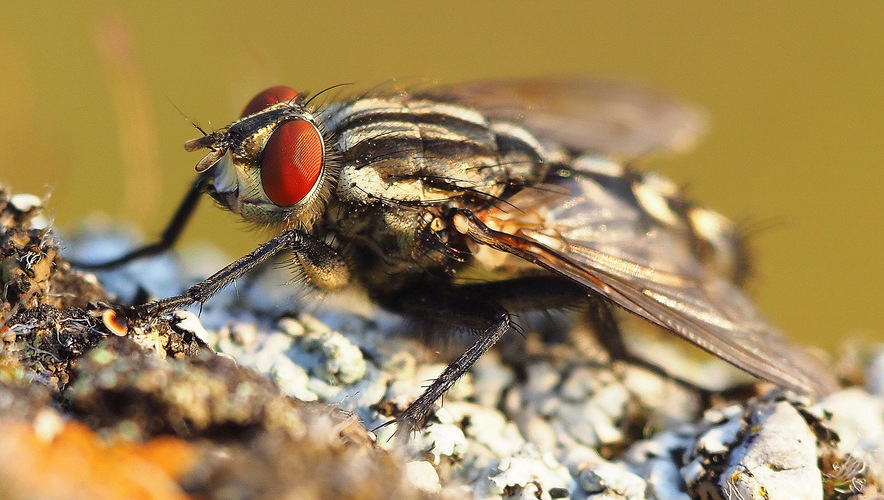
pixel 592 230
pixel 585 114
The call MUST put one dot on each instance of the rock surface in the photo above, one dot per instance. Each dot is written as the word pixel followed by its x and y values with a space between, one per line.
pixel 262 396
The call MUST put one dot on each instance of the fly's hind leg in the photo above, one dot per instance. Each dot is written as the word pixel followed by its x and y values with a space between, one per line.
pixel 603 323
pixel 607 331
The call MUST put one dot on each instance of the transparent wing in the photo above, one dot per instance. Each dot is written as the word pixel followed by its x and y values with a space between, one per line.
pixel 605 241
pixel 585 114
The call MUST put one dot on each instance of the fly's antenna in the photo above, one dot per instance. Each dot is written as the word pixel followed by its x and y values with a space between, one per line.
pixel 314 96
pixel 187 117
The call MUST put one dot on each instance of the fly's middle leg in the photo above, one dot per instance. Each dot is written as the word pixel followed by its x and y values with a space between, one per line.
pixel 600 314
pixel 483 307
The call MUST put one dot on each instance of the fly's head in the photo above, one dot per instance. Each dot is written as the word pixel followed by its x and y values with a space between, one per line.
pixel 272 166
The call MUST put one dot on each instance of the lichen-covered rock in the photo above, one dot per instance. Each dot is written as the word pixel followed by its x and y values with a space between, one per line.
pixel 776 457
pixel 275 398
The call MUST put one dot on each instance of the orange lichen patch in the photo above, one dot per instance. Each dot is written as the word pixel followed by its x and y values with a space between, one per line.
pixel 71 461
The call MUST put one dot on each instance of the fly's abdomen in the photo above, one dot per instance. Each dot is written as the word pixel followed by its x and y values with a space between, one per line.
pixel 658 202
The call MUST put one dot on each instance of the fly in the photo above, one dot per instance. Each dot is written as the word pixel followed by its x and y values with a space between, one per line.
pixel 465 204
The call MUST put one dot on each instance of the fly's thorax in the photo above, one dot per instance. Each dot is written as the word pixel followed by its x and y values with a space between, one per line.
pixel 405 160
pixel 397 234
pixel 390 247
pixel 413 150
pixel 413 180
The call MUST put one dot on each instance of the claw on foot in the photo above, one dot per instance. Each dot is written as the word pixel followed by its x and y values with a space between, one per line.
pixel 407 424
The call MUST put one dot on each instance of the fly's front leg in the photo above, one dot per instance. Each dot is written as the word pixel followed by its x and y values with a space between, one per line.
pixel 169 236
pixel 325 266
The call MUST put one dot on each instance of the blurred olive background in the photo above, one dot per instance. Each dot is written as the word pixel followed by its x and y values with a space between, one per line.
pixel 795 95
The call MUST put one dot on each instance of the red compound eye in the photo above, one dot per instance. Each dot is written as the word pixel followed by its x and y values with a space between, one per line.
pixel 292 162
pixel 269 97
